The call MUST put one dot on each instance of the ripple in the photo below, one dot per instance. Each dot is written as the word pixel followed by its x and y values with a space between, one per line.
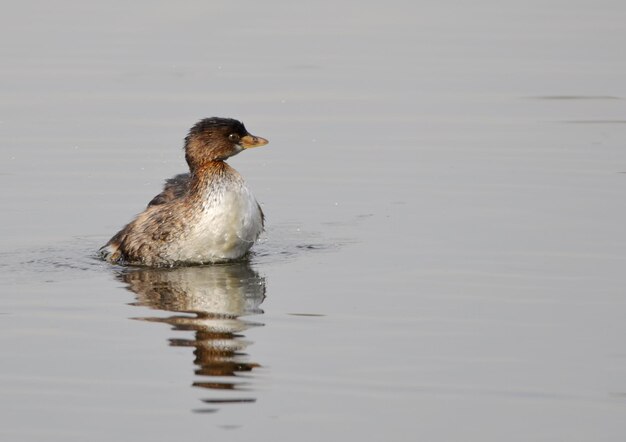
pixel 77 258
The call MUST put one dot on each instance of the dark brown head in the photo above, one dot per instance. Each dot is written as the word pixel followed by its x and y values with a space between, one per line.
pixel 215 139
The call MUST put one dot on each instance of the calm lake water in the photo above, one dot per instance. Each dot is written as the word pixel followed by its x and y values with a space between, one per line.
pixel 445 191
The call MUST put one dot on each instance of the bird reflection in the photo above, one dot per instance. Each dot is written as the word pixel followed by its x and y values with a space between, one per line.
pixel 209 301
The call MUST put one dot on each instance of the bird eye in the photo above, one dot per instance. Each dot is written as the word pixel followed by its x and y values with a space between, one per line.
pixel 233 137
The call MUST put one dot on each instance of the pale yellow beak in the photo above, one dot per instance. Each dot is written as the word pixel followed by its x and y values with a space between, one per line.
pixel 250 141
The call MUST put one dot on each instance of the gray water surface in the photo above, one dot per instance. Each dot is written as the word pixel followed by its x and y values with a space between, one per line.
pixel 445 192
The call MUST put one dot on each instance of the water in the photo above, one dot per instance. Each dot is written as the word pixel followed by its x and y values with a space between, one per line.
pixel 444 190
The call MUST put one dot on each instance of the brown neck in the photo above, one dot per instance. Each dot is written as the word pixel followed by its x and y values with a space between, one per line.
pixel 203 175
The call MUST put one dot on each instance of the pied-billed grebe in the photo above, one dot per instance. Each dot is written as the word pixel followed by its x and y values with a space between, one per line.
pixel 205 216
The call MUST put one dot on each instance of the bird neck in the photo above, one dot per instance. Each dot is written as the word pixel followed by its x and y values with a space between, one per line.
pixel 210 172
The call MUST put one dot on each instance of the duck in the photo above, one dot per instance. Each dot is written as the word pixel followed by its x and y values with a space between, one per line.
pixel 205 216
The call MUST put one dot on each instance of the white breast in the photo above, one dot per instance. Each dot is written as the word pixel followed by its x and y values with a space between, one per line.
pixel 228 225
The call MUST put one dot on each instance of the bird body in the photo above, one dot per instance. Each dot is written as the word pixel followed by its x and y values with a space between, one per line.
pixel 207 216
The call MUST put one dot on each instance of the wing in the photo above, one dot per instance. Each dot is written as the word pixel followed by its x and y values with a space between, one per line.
pixel 174 188
pixel 262 216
